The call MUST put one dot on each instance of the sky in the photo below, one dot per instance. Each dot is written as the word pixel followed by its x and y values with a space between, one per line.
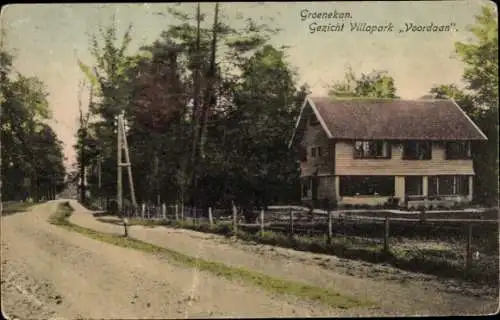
pixel 47 39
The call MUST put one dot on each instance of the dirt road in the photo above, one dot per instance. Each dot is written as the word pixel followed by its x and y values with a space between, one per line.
pixel 49 272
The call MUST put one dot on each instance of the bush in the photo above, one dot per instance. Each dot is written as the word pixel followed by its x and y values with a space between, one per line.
pixel 223 229
pixel 393 203
pixel 441 207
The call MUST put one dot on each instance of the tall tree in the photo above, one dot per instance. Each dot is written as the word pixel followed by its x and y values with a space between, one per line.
pixel 111 76
pixel 481 58
pixel 259 166
pixel 179 85
pixel 31 157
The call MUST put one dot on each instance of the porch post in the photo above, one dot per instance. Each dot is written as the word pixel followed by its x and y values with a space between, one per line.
pixel 471 186
pixel 337 188
pixel 399 188
pixel 425 186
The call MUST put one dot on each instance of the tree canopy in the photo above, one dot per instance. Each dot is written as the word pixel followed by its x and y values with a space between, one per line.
pixel 32 157
pixel 377 84
pixel 219 95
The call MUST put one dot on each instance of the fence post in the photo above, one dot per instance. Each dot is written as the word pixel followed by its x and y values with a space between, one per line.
pixel 386 234
pixel 195 215
pixel 261 222
pixel 468 254
pixel 143 209
pixel 176 208
pixel 164 211
pixel 182 212
pixel 291 223
pixel 235 219
pixel 210 217
pixel 330 230
pixel 422 215
pixel 125 228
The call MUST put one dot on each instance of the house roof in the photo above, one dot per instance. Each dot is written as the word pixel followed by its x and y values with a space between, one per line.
pixel 389 119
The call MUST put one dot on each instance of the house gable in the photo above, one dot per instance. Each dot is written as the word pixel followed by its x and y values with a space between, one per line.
pixel 394 119
pixel 308 108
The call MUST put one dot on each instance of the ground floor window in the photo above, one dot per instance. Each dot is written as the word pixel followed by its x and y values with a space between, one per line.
pixel 449 185
pixel 414 186
pixel 305 186
pixel 366 185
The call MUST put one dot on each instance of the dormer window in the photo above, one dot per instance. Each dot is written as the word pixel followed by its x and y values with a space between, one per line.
pixel 313 120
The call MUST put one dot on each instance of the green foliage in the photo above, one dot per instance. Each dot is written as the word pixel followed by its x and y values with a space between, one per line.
pixel 481 58
pixel 378 84
pixel 245 154
pixel 16 207
pixel 32 157
pixel 480 102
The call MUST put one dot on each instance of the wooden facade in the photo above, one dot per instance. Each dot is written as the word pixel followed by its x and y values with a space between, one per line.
pixel 345 164
pixel 322 169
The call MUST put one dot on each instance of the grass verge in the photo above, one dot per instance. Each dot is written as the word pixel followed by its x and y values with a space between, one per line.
pixel 443 263
pixel 16 207
pixel 274 285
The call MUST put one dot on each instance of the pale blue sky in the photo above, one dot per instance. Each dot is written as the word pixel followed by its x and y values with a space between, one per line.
pixel 46 36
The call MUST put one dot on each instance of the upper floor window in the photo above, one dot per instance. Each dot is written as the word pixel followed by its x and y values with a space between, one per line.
pixel 313 120
pixel 417 150
pixel 316 152
pixel 458 150
pixel 371 149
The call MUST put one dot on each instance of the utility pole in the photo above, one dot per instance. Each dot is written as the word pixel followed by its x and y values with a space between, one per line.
pixel 122 145
pixel 128 164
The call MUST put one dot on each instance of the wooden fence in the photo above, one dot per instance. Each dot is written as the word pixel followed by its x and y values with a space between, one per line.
pixel 294 220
